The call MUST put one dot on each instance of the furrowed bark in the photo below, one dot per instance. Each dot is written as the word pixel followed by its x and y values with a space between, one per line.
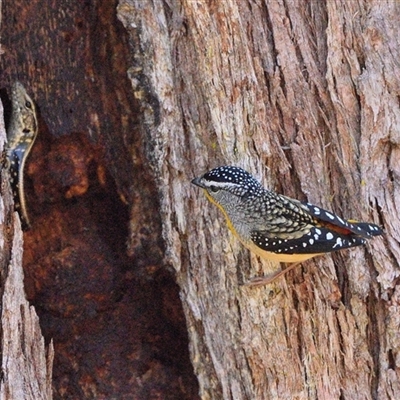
pixel 26 362
pixel 305 96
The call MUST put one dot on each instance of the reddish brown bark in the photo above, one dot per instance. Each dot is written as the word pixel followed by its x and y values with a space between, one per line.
pixel 103 296
pixel 302 94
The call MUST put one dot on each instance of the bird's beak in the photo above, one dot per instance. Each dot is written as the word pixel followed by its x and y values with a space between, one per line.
pixel 197 182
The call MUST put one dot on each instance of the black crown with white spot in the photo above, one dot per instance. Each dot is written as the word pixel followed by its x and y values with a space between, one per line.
pixel 244 182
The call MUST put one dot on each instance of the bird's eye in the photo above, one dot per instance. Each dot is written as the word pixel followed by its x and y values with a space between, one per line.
pixel 214 189
pixel 28 104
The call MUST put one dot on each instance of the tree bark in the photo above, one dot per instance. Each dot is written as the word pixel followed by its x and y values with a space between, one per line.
pixel 26 363
pixel 304 95
pixel 109 305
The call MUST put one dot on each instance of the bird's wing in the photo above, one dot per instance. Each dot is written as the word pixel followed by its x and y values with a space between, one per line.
pixel 317 240
pixel 335 223
pixel 282 217
pixel 293 227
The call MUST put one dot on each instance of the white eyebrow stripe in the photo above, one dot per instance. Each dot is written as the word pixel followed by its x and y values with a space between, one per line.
pixel 221 185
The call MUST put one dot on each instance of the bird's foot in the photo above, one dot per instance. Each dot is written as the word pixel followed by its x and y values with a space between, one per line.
pixel 268 279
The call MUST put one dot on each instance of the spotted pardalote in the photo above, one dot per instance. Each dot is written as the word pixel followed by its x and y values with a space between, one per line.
pixel 276 227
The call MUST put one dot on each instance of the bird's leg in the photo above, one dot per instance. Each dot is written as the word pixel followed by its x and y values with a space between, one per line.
pixel 267 279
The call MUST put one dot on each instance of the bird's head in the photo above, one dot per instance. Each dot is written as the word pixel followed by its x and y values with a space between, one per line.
pixel 227 184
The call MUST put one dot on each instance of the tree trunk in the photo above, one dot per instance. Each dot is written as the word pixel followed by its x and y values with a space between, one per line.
pixel 107 303
pixel 26 363
pixel 304 95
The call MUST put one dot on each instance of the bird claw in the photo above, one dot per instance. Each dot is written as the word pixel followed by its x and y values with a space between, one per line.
pixel 268 279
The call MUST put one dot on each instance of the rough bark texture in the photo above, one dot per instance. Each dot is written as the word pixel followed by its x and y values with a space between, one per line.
pixel 303 94
pixel 26 363
pixel 113 311
pixel 306 96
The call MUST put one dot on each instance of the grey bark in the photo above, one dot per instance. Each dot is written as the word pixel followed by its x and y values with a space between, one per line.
pixel 305 95
pixel 26 362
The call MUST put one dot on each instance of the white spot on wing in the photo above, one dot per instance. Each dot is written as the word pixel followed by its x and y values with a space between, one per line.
pixel 330 216
pixel 338 242
pixel 341 221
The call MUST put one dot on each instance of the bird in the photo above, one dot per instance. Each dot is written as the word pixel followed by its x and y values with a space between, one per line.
pixel 276 227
